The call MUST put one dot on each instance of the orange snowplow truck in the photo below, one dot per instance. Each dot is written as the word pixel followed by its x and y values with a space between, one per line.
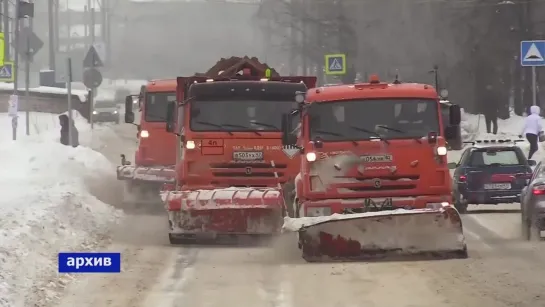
pixel 232 165
pixel 374 179
pixel 154 159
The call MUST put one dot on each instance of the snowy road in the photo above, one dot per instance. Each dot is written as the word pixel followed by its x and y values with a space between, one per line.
pixel 502 270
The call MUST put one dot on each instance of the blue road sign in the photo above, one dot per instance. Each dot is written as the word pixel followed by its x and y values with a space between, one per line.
pixel 531 53
pixel 335 64
pixel 7 73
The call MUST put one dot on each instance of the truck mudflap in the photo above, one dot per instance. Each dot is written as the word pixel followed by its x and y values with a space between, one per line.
pixel 208 214
pixel 390 234
pixel 158 174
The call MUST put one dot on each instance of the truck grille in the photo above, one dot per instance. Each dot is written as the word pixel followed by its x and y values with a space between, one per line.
pixel 247 170
pixel 387 183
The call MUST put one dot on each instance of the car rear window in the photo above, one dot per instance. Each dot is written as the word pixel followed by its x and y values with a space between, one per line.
pixel 494 157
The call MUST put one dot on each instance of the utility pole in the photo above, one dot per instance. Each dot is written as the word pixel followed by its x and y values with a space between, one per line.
pixel 16 27
pixel 52 32
pixel 6 28
pixel 92 26
pixel 57 26
pixel 86 26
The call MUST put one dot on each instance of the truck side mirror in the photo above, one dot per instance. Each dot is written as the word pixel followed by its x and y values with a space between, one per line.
pixel 171 110
pixel 129 114
pixel 287 137
pixel 455 115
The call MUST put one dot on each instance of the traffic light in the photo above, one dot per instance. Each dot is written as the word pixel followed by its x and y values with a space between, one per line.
pixel 25 9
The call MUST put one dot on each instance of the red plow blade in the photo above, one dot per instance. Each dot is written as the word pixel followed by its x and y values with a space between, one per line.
pixel 384 234
pixel 232 211
pixel 148 174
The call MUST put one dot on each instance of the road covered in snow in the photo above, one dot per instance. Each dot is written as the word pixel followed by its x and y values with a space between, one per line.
pixel 502 270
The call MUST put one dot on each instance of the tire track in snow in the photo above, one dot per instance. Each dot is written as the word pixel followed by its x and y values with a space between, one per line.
pixel 170 289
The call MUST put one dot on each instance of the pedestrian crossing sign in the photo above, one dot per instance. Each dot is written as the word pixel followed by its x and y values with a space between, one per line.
pixel 532 53
pixel 335 64
pixel 7 73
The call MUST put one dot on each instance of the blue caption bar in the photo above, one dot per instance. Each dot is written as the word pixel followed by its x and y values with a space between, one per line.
pixel 89 262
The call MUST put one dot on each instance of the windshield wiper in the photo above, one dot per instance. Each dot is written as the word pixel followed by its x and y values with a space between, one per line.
pixel 398 131
pixel 243 127
pixel 334 134
pixel 370 132
pixel 215 125
pixel 266 125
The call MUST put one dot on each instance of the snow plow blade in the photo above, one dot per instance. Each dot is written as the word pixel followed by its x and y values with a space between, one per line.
pixel 158 175
pixel 392 234
pixel 209 214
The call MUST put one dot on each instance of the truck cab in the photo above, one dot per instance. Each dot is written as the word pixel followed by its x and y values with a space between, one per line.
pixel 154 147
pixel 230 131
pixel 369 145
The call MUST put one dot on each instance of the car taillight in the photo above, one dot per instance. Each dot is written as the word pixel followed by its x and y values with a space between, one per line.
pixel 462 178
pixel 502 178
pixel 538 190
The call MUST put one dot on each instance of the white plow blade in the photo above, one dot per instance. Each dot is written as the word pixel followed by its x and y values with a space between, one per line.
pixel 380 234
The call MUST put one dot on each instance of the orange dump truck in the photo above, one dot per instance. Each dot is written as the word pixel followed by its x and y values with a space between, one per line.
pixel 374 179
pixel 232 165
pixel 155 158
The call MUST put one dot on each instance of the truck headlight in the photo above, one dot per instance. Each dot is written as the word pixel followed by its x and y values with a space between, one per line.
pixel 318 211
pixel 442 150
pixel 144 134
pixel 190 145
pixel 311 156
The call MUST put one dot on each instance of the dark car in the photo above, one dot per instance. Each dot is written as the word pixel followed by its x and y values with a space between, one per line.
pixel 532 205
pixel 490 172
pixel 106 111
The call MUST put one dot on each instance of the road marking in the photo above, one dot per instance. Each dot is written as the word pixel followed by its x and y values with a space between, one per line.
pixel 477 237
pixel 172 282
pixel 285 293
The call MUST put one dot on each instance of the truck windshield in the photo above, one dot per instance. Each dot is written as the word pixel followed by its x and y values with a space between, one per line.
pixel 369 119
pixel 155 109
pixel 239 115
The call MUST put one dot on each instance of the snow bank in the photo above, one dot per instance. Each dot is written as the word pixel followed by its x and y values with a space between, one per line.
pixel 82 94
pixel 46 126
pixel 46 208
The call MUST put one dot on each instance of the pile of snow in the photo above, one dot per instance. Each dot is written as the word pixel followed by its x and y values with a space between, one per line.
pixel 47 126
pixel 46 208
pixel 82 94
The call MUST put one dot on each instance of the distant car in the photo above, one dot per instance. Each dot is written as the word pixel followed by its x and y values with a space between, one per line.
pixel 490 172
pixel 106 111
pixel 532 205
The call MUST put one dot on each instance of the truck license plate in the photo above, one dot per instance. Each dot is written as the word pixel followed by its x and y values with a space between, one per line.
pixel 497 186
pixel 247 155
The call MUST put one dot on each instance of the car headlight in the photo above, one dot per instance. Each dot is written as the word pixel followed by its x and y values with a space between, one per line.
pixel 318 211
pixel 311 156
pixel 190 144
pixel 95 112
pixel 144 134
pixel 442 150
